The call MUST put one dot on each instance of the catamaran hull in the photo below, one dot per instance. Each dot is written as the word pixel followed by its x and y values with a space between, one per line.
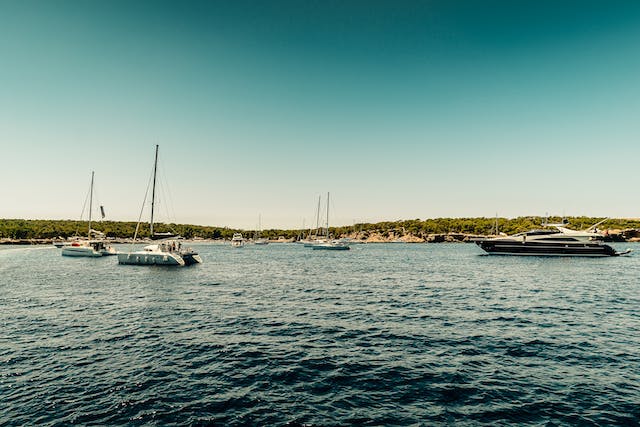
pixel 546 249
pixel 151 259
pixel 191 258
pixel 108 251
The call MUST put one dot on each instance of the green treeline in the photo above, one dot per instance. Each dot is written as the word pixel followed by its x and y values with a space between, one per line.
pixel 479 226
pixel 50 229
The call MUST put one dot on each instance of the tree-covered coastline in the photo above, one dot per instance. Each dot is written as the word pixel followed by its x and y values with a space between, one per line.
pixel 21 229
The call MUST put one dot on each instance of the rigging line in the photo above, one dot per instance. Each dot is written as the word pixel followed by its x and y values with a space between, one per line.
pixel 170 204
pixel 163 193
pixel 96 197
pixel 164 189
pixel 84 206
pixel 146 193
pixel 160 198
pixel 165 206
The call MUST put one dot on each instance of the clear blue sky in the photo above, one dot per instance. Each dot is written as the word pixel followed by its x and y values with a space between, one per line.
pixel 401 109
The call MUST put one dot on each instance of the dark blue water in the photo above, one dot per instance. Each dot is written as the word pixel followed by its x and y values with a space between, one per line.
pixel 388 334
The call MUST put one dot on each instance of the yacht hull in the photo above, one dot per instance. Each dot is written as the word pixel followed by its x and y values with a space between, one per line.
pixel 330 247
pixel 80 251
pixel 507 247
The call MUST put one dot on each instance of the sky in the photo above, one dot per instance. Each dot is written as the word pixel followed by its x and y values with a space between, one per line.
pixel 399 109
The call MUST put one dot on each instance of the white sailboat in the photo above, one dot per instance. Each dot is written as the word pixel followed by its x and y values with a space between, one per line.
pixel 89 248
pixel 331 245
pixel 168 251
pixel 256 238
pixel 314 239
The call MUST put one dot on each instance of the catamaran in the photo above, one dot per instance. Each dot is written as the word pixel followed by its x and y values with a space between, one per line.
pixel 168 251
pixel 92 248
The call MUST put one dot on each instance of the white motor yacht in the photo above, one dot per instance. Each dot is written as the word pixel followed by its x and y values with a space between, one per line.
pixel 558 240
pixel 237 241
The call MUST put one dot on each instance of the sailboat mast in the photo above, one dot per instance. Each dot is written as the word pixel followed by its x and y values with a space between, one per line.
pixel 318 217
pixel 153 190
pixel 327 215
pixel 90 204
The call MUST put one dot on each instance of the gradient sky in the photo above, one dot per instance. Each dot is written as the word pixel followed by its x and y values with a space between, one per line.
pixel 400 109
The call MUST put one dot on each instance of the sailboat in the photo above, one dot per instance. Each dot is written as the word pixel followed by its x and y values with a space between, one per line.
pixel 332 245
pixel 313 239
pixel 89 248
pixel 256 238
pixel 168 251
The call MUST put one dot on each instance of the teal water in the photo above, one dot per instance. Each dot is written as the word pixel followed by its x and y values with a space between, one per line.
pixel 384 334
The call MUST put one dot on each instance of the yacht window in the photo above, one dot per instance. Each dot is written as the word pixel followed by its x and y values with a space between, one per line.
pixel 559 239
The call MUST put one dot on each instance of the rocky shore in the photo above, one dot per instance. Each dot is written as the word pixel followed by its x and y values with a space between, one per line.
pixel 613 235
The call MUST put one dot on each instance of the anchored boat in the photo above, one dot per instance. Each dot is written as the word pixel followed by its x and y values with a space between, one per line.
pixel 168 251
pixel 237 241
pixel 327 244
pixel 558 240
pixel 89 248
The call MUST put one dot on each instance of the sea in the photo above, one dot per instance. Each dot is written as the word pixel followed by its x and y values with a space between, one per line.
pixel 282 335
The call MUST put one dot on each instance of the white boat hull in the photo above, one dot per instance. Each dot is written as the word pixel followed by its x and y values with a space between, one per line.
pixel 80 251
pixel 88 248
pixel 150 258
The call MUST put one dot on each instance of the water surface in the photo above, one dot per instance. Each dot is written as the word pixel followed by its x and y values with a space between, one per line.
pixel 384 334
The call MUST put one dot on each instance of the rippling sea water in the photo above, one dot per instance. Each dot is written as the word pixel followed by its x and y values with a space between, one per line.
pixel 384 334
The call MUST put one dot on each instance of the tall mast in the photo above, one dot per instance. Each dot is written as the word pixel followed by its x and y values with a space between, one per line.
pixel 318 217
pixel 327 215
pixel 153 191
pixel 90 205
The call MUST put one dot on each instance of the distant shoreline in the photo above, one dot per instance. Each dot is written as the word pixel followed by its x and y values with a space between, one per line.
pixel 436 230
